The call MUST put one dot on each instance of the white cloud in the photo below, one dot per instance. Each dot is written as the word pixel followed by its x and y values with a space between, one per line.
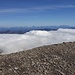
pixel 35 9
pixel 10 43
pixel 12 10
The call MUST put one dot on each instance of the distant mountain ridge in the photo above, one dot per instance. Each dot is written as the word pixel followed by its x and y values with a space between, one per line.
pixel 21 30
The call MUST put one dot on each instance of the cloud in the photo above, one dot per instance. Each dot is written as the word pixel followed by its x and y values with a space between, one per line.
pixel 35 9
pixel 10 43
pixel 12 10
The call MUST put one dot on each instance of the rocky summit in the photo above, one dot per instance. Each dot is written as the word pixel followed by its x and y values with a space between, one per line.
pixel 57 59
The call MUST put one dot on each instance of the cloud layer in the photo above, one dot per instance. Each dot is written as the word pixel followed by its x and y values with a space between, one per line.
pixel 10 43
pixel 35 8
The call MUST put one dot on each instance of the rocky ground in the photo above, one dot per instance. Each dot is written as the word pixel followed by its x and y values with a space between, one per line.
pixel 57 59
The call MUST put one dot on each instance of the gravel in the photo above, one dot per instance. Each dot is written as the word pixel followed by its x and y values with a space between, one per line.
pixel 57 59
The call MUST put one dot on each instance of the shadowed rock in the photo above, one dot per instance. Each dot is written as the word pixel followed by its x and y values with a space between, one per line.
pixel 1 51
pixel 58 59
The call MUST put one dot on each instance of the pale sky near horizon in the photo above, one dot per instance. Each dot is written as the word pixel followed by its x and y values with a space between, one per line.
pixel 37 12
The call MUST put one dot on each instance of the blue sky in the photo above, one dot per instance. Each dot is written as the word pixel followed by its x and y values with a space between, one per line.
pixel 37 12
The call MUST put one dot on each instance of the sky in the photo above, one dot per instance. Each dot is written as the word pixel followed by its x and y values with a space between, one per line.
pixel 36 12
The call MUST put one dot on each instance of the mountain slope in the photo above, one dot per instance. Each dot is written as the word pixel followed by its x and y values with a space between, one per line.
pixel 57 59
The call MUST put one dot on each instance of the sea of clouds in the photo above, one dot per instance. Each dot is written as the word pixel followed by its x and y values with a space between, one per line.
pixel 11 43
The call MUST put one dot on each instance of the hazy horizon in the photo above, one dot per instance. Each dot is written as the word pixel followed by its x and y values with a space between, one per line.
pixel 6 26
